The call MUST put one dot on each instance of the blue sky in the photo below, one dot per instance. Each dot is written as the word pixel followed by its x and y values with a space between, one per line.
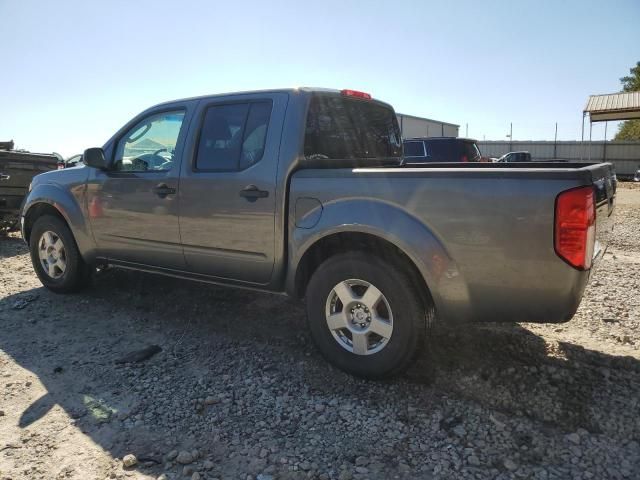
pixel 72 72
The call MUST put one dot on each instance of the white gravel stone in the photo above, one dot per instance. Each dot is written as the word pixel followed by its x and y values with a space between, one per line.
pixel 129 460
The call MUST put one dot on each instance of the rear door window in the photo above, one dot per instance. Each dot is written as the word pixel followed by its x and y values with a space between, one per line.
pixel 443 151
pixel 341 128
pixel 413 149
pixel 233 136
pixel 255 134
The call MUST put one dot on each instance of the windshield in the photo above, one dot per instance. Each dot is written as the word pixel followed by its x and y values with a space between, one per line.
pixel 340 128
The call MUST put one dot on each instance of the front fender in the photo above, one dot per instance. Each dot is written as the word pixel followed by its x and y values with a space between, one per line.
pixel 69 202
pixel 393 224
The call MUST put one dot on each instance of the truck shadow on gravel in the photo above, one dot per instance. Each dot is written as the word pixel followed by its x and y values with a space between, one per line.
pixel 508 368
pixel 225 344
pixel 11 246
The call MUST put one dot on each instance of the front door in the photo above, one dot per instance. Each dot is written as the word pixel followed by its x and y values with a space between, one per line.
pixel 228 188
pixel 133 207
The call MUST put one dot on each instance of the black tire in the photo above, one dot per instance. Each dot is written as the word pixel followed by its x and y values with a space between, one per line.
pixel 77 274
pixel 408 309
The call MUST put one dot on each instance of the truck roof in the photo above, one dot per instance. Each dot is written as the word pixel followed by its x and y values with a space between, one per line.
pixel 253 92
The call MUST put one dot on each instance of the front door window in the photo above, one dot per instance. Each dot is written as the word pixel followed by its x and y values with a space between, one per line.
pixel 150 145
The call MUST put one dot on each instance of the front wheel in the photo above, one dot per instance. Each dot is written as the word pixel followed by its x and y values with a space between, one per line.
pixel 365 315
pixel 55 256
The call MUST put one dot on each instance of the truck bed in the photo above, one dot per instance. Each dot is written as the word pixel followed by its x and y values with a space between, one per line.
pixel 487 228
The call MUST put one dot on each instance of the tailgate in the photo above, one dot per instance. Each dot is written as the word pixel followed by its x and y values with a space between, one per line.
pixel 14 177
pixel 604 181
pixel 16 172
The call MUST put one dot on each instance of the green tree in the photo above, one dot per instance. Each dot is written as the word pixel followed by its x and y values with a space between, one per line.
pixel 630 129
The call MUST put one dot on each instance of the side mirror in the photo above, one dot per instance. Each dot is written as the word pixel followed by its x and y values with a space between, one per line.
pixel 94 157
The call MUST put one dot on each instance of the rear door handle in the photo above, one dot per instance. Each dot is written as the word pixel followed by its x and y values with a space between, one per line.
pixel 4 176
pixel 252 193
pixel 162 190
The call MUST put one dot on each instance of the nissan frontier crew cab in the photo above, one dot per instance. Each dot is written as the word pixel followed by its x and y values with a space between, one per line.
pixel 302 191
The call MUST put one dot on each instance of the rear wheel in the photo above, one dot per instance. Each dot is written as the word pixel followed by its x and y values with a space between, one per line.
pixel 55 256
pixel 365 315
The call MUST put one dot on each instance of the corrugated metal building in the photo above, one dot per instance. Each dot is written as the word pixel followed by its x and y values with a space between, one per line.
pixel 625 155
pixel 613 106
pixel 412 126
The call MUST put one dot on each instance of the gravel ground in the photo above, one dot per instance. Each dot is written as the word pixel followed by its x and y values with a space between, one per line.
pixel 239 392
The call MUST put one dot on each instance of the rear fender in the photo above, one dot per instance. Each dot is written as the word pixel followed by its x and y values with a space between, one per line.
pixel 393 224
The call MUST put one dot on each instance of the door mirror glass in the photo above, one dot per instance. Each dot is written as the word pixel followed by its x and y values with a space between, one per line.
pixel 94 157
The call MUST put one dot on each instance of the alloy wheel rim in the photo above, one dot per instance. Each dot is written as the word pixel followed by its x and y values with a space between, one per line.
pixel 359 317
pixel 52 254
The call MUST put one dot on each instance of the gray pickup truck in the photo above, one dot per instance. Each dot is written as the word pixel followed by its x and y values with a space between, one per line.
pixel 301 191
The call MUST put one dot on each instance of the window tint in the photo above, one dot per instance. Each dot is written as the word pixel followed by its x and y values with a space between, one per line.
pixel 221 137
pixel 443 151
pixel 233 136
pixel 413 149
pixel 255 134
pixel 470 150
pixel 452 150
pixel 150 145
pixel 346 128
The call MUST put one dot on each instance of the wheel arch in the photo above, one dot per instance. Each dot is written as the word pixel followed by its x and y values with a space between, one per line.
pixel 345 241
pixel 36 211
pixel 377 227
pixel 47 199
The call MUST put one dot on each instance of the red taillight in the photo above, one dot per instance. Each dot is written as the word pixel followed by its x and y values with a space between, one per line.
pixel 355 93
pixel 575 226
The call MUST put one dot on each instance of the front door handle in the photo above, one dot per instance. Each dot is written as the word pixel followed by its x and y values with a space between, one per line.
pixel 162 190
pixel 4 176
pixel 252 193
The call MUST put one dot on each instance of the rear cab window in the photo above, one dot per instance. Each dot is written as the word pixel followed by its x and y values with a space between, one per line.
pixel 351 130
pixel 471 152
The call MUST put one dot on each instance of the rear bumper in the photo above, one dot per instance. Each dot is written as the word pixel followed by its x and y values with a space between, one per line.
pixel 10 203
pixel 9 220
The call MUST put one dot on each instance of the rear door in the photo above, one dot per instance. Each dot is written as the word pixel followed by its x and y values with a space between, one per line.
pixel 228 187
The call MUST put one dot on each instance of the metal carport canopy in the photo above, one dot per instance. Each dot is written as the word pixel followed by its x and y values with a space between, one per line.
pixel 613 106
